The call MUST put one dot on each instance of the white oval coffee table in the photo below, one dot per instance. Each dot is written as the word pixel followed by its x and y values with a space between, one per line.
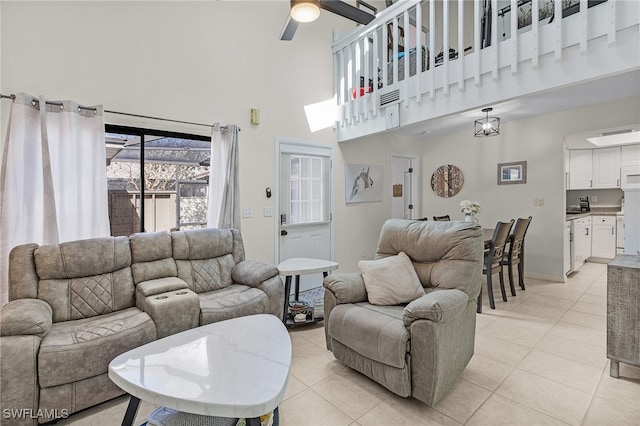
pixel 235 368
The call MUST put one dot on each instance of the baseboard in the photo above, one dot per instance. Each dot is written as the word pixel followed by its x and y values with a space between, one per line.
pixel 546 277
pixel 599 260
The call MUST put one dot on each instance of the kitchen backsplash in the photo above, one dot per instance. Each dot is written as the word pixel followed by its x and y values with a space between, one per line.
pixel 604 197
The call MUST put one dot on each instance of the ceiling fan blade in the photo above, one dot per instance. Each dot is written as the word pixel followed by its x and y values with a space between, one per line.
pixel 347 11
pixel 289 29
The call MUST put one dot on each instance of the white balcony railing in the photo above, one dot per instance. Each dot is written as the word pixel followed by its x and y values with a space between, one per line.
pixel 494 55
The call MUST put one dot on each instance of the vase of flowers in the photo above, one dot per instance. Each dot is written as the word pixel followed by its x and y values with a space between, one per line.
pixel 470 209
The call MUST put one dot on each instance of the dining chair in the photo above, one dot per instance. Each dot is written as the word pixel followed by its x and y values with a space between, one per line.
pixel 493 255
pixel 442 218
pixel 515 254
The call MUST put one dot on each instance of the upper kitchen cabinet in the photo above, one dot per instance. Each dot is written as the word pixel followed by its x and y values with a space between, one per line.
pixel 630 155
pixel 606 167
pixel 580 169
pixel 594 168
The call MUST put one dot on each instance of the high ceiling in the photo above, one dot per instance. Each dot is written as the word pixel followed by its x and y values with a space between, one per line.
pixel 575 96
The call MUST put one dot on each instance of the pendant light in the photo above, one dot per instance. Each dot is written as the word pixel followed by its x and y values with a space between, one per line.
pixel 488 126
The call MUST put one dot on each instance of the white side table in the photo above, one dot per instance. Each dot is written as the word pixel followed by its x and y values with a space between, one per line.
pixel 297 266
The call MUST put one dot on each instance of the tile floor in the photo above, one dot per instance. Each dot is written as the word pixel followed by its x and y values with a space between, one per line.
pixel 540 359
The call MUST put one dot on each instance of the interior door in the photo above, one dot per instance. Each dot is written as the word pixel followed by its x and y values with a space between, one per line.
pixel 403 184
pixel 304 214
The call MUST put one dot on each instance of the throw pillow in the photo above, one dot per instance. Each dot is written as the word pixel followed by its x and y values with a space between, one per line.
pixel 391 280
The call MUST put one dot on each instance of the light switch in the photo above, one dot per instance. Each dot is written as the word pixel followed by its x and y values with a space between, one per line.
pixel 247 212
pixel 538 202
pixel 268 212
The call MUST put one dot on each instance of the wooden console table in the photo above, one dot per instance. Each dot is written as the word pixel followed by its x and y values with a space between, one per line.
pixel 623 312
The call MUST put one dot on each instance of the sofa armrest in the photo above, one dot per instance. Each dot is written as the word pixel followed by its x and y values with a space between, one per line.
pixel 25 317
pixel 253 273
pixel 437 306
pixel 346 287
pixel 155 287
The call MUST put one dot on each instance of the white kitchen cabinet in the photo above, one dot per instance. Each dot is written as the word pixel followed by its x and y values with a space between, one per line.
pixel 603 244
pixel 581 241
pixel 606 168
pixel 600 168
pixel 580 168
pixel 630 155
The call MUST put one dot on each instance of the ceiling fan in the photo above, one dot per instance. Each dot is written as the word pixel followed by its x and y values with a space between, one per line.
pixel 309 10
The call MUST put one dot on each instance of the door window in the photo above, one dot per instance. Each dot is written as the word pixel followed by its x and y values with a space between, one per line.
pixel 305 180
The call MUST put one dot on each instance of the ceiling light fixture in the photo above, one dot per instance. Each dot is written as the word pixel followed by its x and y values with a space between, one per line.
pixel 305 11
pixel 488 126
pixel 623 137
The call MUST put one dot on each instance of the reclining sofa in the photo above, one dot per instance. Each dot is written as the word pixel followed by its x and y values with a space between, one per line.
pixel 75 306
pixel 420 347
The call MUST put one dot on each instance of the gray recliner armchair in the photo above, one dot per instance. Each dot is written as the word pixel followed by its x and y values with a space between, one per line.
pixel 420 348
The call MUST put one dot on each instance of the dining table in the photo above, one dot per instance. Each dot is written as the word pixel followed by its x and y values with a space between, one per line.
pixel 488 234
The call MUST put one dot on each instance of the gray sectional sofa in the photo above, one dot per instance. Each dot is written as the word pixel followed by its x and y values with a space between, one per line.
pixel 75 306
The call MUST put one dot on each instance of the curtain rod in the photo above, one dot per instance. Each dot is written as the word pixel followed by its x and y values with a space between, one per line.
pixel 215 126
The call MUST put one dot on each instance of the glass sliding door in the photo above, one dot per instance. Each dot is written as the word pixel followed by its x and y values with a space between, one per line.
pixel 157 180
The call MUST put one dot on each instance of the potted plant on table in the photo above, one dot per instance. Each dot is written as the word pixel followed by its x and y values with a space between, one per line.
pixel 470 209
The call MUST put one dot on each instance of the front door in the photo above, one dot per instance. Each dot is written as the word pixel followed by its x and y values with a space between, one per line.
pixel 304 210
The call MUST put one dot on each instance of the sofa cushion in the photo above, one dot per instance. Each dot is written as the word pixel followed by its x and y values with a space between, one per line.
pixel 85 297
pixel 207 243
pixel 376 332
pixel 204 275
pixel 391 280
pixel 82 258
pixel 76 350
pixel 150 246
pixel 151 256
pixel 232 302
pixel 85 278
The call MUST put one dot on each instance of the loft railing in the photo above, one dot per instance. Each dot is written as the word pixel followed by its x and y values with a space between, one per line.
pixel 391 60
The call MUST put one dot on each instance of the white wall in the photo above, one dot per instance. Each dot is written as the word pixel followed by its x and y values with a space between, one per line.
pixel 194 61
pixel 358 225
pixel 539 141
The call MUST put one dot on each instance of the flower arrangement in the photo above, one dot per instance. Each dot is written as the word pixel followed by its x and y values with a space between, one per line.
pixel 470 208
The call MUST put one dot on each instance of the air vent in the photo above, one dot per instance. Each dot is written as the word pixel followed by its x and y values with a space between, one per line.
pixel 389 98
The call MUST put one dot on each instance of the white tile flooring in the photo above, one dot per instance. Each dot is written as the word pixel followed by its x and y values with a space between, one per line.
pixel 540 359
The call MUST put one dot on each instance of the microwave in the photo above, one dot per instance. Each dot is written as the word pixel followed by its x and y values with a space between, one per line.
pixel 630 177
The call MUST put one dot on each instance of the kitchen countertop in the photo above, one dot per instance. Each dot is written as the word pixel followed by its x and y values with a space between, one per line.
pixel 598 211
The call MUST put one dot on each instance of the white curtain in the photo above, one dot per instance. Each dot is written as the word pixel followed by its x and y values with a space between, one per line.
pixel 53 181
pixel 224 191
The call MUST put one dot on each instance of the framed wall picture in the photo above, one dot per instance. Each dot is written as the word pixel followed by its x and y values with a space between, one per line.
pixel 363 183
pixel 512 173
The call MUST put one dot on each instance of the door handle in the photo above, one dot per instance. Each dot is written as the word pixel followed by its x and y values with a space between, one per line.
pixel 612 232
pixel 283 232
